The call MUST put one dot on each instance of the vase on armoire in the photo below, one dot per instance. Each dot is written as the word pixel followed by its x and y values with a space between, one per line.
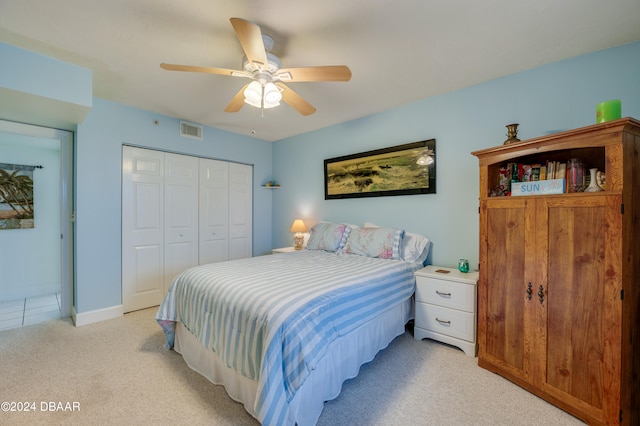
pixel 593 183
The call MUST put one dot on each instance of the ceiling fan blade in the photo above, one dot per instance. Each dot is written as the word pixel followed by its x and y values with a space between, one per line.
pixel 250 38
pixel 295 100
pixel 237 102
pixel 190 68
pixel 325 73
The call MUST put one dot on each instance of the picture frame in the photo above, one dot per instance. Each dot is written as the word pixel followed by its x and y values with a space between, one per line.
pixel 406 169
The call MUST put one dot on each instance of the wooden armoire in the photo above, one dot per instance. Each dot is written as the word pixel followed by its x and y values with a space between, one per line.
pixel 559 290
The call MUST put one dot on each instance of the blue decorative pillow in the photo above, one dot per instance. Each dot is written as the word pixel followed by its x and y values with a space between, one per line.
pixel 328 236
pixel 375 242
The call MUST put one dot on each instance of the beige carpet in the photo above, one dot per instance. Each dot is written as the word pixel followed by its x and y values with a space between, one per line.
pixel 117 372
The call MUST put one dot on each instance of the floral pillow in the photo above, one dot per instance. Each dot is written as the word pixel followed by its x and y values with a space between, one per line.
pixel 328 236
pixel 375 242
pixel 413 248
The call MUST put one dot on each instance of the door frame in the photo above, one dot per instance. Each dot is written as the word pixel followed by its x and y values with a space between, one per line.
pixel 66 139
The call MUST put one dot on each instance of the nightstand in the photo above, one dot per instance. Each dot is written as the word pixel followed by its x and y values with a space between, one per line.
pixel 445 307
pixel 283 250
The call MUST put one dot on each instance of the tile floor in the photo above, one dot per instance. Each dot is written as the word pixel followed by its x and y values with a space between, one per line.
pixel 33 310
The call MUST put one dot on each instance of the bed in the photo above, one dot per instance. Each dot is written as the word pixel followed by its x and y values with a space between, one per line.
pixel 282 332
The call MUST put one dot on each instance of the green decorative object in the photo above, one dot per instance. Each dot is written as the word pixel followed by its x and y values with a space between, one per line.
pixel 608 110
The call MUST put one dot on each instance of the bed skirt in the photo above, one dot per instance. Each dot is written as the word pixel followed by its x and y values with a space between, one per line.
pixel 342 361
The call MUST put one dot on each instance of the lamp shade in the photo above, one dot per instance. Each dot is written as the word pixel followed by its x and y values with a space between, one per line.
pixel 272 95
pixel 253 92
pixel 298 226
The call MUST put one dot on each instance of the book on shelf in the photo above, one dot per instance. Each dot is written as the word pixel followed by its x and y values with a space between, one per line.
pixel 543 172
pixel 561 171
pixel 535 172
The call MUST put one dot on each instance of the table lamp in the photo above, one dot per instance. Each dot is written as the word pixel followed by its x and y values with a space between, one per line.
pixel 298 238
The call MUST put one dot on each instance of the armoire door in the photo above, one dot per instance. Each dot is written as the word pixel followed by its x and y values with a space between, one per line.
pixel 581 341
pixel 505 333
pixel 142 228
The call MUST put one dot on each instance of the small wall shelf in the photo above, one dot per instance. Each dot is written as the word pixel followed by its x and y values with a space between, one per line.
pixel 271 184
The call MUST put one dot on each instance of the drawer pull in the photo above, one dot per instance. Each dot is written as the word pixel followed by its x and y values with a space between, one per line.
pixel 443 322
pixel 439 293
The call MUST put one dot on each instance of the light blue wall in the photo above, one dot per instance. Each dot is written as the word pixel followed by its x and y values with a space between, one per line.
pixel 98 188
pixel 42 76
pixel 40 90
pixel 544 100
pixel 547 99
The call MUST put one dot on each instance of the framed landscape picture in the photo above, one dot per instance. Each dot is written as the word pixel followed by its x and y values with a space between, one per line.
pixel 398 170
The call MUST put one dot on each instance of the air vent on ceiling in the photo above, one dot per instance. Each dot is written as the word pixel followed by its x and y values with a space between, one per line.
pixel 190 130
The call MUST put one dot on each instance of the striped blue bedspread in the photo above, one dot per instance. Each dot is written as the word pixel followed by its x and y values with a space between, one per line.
pixel 271 317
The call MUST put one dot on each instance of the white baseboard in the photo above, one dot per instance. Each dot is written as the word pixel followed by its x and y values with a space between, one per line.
pixel 84 318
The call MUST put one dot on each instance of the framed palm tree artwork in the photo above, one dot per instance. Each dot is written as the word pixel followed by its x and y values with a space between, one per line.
pixel 16 196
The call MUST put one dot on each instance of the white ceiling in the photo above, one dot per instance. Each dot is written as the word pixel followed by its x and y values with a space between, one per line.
pixel 399 51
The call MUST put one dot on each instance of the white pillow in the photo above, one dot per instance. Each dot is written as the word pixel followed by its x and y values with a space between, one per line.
pixel 414 247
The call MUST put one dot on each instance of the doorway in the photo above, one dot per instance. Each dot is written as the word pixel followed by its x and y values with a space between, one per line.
pixel 36 259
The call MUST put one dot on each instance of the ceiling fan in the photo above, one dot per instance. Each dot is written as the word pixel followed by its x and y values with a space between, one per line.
pixel 267 87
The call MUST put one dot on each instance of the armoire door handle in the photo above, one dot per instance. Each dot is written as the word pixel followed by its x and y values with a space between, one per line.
pixel 541 294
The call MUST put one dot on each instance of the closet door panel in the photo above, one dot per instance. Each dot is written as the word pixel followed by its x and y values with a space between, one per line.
pixel 240 211
pixel 181 215
pixel 214 207
pixel 142 228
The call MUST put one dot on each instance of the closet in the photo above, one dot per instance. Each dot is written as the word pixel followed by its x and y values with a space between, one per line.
pixel 558 295
pixel 179 211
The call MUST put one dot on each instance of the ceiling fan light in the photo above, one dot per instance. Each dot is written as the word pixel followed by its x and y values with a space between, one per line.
pixel 253 103
pixel 272 94
pixel 253 93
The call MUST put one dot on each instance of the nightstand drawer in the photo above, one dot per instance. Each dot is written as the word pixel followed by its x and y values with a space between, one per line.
pixel 446 321
pixel 450 294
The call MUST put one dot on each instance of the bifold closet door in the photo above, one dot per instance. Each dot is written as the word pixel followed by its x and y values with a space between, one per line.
pixel 240 211
pixel 226 211
pixel 159 223
pixel 142 228
pixel 181 215
pixel 214 211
